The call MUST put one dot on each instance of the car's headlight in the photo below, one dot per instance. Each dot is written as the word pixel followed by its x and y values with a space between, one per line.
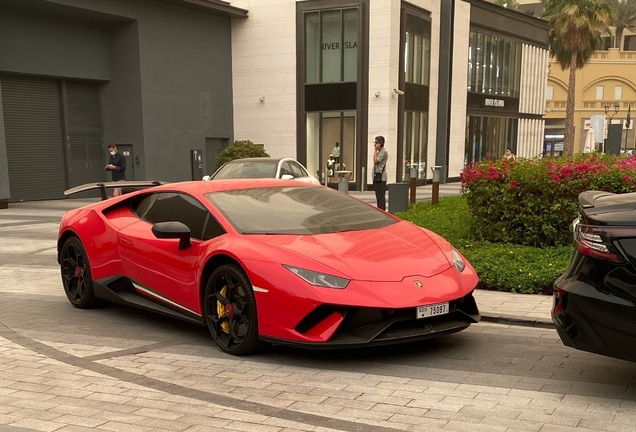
pixel 458 261
pixel 319 279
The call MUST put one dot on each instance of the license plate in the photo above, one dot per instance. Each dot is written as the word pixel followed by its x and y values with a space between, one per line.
pixel 431 310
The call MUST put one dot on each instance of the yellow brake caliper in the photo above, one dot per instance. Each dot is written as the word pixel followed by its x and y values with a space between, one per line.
pixel 220 310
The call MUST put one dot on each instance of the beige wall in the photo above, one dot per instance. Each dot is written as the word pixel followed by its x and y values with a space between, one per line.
pixel 607 69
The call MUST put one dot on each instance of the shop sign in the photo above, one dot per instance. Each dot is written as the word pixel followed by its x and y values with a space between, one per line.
pixel 336 45
pixel 490 102
pixel 493 104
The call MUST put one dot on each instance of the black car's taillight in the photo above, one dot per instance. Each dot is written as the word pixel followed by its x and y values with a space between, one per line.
pixel 596 241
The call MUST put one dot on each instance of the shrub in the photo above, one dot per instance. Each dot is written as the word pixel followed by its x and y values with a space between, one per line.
pixel 239 150
pixel 533 201
pixel 501 267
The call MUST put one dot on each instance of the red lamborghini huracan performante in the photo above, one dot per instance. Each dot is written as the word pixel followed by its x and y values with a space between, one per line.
pixel 266 261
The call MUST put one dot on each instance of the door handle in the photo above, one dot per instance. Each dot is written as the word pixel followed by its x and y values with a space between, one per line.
pixel 125 241
pixel 91 163
pixel 86 165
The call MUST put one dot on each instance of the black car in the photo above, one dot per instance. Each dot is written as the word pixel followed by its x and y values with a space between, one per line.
pixel 595 300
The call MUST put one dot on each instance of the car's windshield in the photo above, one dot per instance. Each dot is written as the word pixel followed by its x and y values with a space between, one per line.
pixel 247 169
pixel 296 210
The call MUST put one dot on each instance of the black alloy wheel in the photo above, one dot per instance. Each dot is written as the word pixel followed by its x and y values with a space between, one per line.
pixel 230 310
pixel 76 274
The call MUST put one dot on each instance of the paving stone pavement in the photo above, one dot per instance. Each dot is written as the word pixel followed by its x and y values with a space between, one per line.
pixel 120 369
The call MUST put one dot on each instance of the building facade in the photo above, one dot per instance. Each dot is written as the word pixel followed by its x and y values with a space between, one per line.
pixel 172 82
pixel 605 86
pixel 346 71
pixel 153 76
pixel 508 64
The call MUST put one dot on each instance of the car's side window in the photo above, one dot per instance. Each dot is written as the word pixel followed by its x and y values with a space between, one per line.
pixel 297 170
pixel 212 229
pixel 285 169
pixel 170 206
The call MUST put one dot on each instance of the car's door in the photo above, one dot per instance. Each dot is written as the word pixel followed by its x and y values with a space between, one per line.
pixel 157 267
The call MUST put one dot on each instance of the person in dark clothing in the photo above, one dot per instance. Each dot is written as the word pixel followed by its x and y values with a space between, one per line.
pixel 380 157
pixel 117 166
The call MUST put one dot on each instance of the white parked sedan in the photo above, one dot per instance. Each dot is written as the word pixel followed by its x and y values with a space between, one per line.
pixel 283 168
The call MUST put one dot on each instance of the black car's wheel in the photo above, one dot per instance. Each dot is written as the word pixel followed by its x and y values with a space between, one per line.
pixel 76 274
pixel 230 310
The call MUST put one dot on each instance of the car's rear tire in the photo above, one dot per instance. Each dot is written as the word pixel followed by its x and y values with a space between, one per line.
pixel 230 310
pixel 76 274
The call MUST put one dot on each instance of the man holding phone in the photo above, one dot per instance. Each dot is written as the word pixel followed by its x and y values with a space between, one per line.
pixel 380 157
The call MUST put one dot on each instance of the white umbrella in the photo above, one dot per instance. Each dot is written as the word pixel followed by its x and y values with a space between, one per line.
pixel 589 141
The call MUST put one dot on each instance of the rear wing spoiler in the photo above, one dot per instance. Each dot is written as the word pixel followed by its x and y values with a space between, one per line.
pixel 587 199
pixel 113 185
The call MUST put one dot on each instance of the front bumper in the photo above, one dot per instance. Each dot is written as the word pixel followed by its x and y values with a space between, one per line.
pixel 592 320
pixel 361 326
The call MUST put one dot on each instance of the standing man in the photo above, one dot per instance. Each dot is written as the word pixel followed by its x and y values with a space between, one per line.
pixel 336 155
pixel 380 157
pixel 117 166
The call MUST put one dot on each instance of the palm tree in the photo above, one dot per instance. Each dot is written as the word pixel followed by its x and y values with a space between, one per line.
pixel 575 32
pixel 624 18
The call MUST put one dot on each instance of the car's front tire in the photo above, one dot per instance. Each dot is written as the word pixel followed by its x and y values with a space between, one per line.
pixel 76 274
pixel 230 310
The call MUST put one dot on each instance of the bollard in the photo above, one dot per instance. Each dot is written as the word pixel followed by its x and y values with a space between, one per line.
pixel 413 184
pixel 364 180
pixel 436 174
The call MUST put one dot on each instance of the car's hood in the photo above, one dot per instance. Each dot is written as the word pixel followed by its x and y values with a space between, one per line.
pixel 388 254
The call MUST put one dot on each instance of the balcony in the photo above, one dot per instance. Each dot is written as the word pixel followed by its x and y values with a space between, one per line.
pixel 613 54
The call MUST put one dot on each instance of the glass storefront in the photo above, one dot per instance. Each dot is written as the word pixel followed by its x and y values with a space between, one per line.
pixel 416 60
pixel 553 145
pixel 330 128
pixel 488 137
pixel 414 144
pixel 494 65
pixel 331 75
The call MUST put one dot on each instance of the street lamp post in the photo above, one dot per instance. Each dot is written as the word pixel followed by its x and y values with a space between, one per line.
pixel 627 122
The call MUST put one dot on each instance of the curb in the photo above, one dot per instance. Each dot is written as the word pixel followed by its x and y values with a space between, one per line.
pixel 517 321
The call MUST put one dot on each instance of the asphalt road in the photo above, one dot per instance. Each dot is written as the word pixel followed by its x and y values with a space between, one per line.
pixel 119 369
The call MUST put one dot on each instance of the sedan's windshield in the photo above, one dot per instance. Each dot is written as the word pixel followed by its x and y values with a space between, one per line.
pixel 247 169
pixel 296 210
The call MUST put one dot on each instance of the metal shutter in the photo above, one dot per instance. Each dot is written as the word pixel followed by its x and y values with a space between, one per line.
pixel 33 131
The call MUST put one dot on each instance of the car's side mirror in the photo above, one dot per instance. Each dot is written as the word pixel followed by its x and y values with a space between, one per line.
pixel 287 177
pixel 170 230
pixel 206 178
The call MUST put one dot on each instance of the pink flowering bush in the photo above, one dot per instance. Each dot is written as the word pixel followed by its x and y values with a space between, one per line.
pixel 533 201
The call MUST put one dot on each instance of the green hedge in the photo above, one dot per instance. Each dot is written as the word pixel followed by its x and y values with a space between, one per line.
pixel 533 201
pixel 239 150
pixel 501 267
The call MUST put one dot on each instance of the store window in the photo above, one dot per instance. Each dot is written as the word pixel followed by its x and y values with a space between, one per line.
pixel 331 57
pixel 488 137
pixel 337 132
pixel 415 78
pixel 494 65
pixel 331 41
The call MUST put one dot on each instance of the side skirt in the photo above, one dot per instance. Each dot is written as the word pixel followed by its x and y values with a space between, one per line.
pixel 119 289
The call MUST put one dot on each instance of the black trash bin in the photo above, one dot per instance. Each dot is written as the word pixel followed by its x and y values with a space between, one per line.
pixel 398 197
